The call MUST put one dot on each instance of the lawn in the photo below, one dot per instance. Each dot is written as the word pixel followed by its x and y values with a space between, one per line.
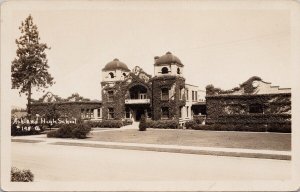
pixel 231 139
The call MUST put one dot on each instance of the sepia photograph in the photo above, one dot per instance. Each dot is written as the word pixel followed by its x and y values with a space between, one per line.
pixel 150 95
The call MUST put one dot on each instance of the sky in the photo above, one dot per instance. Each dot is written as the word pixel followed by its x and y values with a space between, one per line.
pixel 223 47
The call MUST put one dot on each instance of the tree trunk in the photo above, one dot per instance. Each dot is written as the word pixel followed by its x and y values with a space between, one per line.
pixel 29 101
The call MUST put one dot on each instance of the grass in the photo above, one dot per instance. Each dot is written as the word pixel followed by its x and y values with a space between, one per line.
pixel 247 140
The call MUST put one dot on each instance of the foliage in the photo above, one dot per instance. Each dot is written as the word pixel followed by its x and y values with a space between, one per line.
pixel 272 127
pixel 67 109
pixel 78 131
pixel 105 123
pixel 76 97
pixel 174 103
pixel 127 122
pixel 51 112
pixel 17 175
pixel 164 124
pixel 235 108
pixel 120 93
pixel 142 125
pixel 247 85
pixel 30 67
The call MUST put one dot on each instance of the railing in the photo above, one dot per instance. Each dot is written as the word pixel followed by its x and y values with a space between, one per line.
pixel 137 101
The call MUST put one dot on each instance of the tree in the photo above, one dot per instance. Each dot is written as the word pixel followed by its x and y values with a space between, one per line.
pixel 30 67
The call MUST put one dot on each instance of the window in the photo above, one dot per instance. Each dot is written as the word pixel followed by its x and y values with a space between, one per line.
pixel 187 94
pixel 143 96
pixel 82 113
pixel 111 114
pixel 111 75
pixel 124 74
pixel 88 113
pixel 164 112
pixel 92 113
pixel 164 70
pixel 164 94
pixel 98 113
pixel 196 95
pixel 256 108
pixel 178 71
pixel 110 95
pixel 187 111
pixel 180 112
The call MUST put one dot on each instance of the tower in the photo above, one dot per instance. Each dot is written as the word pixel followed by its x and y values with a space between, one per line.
pixel 113 99
pixel 168 87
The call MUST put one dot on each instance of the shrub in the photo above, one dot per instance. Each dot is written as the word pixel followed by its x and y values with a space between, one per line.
pixel 80 131
pixel 127 122
pixel 17 175
pixel 285 128
pixel 105 123
pixel 143 125
pixel 71 131
pixel 164 124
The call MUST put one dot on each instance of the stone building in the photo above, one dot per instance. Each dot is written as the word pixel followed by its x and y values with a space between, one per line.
pixel 129 94
pixel 253 102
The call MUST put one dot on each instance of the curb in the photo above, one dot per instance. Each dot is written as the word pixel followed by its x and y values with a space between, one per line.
pixel 180 150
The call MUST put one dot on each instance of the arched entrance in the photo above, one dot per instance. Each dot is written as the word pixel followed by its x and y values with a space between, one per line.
pixel 137 102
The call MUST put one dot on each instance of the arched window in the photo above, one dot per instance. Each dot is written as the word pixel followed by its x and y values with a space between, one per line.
pixel 111 75
pixel 178 71
pixel 256 108
pixel 164 70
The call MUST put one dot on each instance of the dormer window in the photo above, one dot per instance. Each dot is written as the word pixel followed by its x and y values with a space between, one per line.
pixel 111 75
pixel 164 70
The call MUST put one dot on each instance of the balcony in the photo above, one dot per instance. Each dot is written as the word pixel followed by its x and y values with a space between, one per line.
pixel 137 101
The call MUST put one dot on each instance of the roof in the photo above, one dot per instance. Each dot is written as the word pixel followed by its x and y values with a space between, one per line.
pixel 114 65
pixel 168 58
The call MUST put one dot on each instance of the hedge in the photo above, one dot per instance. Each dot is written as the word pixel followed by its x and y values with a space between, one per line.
pixel 71 131
pixel 272 127
pixel 163 124
pixel 17 175
pixel 105 123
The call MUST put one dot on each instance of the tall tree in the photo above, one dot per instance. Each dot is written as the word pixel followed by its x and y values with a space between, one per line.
pixel 30 67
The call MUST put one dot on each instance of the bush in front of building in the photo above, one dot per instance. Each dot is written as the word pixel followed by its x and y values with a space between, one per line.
pixel 162 124
pixel 142 125
pixel 78 131
pixel 127 122
pixel 17 175
pixel 105 123
pixel 272 127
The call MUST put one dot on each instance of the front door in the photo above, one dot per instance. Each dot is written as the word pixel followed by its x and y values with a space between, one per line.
pixel 139 113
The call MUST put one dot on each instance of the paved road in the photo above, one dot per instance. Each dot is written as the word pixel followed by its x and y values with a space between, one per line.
pixel 70 163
